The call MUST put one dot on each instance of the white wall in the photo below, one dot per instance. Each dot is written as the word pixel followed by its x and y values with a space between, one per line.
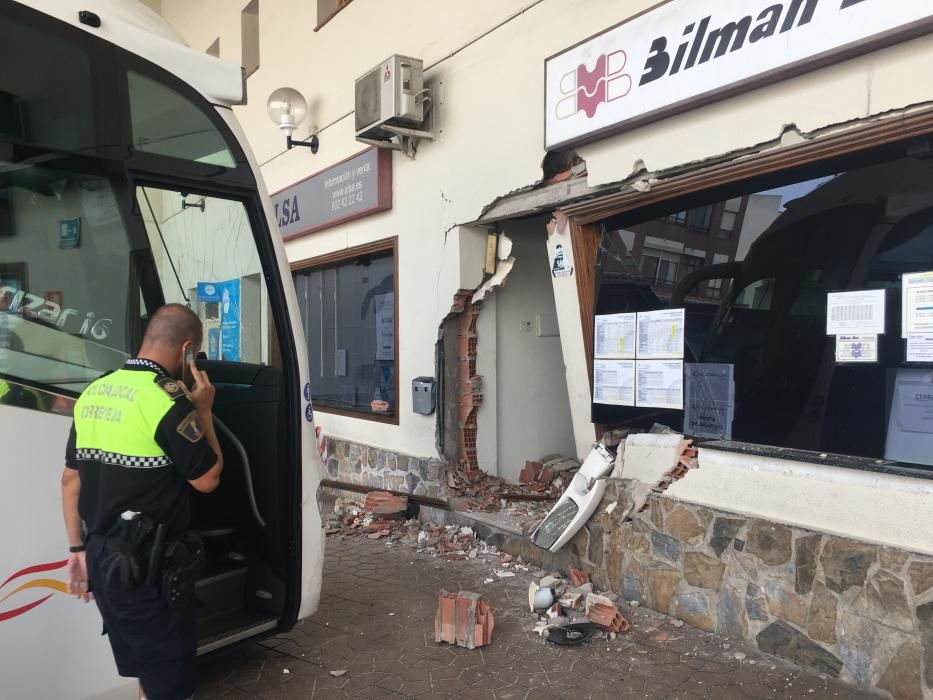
pixel 533 414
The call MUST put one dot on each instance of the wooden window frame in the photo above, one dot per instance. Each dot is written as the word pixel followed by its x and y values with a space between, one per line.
pixel 340 256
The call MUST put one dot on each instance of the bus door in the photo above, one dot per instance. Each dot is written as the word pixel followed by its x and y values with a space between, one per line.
pixel 205 255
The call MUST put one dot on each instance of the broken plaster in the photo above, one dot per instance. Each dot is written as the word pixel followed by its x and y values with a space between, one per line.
pixel 502 271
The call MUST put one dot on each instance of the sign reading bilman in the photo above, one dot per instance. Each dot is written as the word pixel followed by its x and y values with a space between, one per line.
pixel 681 54
pixel 356 187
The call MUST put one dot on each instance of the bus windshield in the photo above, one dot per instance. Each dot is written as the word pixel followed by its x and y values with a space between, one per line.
pixel 87 252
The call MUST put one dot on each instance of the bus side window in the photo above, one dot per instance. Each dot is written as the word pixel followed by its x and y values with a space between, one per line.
pixel 206 257
pixel 68 302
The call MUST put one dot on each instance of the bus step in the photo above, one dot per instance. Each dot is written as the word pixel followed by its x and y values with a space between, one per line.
pixel 221 591
pixel 234 627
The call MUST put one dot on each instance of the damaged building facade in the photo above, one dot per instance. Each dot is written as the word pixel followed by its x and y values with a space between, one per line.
pixel 584 162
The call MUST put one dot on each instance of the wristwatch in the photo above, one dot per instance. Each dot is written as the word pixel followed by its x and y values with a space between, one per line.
pixel 77 548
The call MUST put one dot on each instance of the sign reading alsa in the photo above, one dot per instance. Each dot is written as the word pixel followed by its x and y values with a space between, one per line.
pixel 355 187
pixel 681 54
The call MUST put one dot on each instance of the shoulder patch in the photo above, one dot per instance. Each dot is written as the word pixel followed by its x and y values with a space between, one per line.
pixel 171 387
pixel 190 428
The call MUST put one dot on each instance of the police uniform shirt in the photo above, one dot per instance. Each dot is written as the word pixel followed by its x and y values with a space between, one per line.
pixel 136 440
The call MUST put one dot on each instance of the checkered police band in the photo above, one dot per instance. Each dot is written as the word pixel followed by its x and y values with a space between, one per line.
pixel 138 362
pixel 117 460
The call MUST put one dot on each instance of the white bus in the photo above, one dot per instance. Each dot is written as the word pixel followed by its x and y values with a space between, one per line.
pixel 126 183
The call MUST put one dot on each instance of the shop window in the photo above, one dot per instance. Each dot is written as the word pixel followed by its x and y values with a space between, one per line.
pixel 700 218
pixel 690 264
pixel 649 266
pixel 249 37
pixel 730 213
pixel 661 267
pixel 328 9
pixel 348 309
pixel 762 305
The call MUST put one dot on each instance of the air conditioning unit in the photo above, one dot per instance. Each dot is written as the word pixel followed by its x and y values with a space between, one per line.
pixel 391 94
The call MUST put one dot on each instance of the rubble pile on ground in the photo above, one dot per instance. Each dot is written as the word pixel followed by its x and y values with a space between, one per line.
pixel 541 481
pixel 382 516
pixel 560 602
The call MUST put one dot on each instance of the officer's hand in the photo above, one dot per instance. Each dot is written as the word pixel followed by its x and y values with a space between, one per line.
pixel 77 576
pixel 202 395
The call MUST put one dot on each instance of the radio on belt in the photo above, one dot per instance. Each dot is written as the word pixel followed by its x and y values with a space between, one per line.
pixel 422 395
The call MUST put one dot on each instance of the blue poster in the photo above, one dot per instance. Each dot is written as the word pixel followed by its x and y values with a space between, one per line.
pixel 230 320
pixel 223 343
pixel 209 291
pixel 213 344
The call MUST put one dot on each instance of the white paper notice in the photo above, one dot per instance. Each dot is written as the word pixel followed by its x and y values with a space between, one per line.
pixel 920 347
pixel 856 348
pixel 661 334
pixel 917 303
pixel 855 313
pixel 709 400
pixel 659 384
pixel 910 426
pixel 615 336
pixel 385 327
pixel 614 382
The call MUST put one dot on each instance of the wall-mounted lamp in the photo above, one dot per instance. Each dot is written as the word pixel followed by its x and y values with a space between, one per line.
pixel 288 109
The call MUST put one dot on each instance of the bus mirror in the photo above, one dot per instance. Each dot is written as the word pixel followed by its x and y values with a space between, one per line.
pixel 727 270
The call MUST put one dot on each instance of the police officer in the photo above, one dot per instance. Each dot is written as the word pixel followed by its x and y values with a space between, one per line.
pixel 140 437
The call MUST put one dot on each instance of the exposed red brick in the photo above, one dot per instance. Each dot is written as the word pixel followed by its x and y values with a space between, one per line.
pixel 571 600
pixel 529 472
pixel 463 619
pixel 382 503
pixel 382 524
pixel 578 577
pixel 607 617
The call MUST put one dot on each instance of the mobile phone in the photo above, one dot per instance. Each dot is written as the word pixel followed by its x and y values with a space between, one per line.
pixel 186 361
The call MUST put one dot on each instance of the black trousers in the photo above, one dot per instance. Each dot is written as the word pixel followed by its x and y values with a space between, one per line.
pixel 150 641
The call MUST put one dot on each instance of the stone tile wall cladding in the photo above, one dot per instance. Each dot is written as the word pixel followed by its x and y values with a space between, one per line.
pixel 858 611
pixel 354 463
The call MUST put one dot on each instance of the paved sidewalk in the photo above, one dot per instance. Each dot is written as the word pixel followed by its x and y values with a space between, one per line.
pixel 376 623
